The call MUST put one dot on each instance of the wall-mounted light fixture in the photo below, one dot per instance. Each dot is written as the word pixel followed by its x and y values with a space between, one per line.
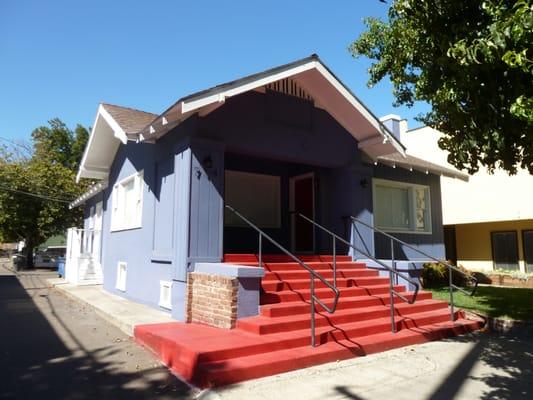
pixel 207 162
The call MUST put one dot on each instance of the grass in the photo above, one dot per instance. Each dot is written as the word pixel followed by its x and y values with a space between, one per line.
pixel 499 302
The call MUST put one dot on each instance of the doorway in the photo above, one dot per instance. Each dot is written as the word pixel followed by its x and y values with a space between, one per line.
pixel 302 201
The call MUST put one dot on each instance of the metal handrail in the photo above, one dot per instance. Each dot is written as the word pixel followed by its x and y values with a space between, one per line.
pixel 312 272
pixel 392 270
pixel 445 263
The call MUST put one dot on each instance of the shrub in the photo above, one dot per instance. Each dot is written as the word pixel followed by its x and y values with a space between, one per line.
pixel 436 275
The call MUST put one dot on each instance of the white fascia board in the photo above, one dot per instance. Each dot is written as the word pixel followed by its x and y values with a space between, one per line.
pixel 372 141
pixel 86 171
pixel 194 105
pixel 81 168
pixel 91 192
pixel 117 130
pixel 435 171
pixel 358 106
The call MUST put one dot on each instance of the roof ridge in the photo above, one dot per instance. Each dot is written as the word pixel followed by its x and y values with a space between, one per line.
pixel 128 108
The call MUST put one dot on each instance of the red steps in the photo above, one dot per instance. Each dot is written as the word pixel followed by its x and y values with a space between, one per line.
pixel 300 307
pixel 259 365
pixel 278 340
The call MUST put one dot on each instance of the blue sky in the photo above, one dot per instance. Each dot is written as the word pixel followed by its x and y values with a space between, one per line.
pixel 61 58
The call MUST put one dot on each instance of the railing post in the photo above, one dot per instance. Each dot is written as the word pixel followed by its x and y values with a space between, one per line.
pixel 391 287
pixel 313 339
pixel 334 263
pixel 260 249
pixel 450 279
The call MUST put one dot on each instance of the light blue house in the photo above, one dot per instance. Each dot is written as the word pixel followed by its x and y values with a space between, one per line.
pixel 292 138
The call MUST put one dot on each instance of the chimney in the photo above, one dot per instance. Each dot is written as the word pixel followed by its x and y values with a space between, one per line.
pixel 393 123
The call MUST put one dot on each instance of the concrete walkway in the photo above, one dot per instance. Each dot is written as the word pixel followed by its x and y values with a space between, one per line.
pixel 122 313
pixel 52 347
pixel 477 366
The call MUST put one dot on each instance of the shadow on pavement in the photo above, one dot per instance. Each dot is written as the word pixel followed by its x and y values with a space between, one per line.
pixel 35 363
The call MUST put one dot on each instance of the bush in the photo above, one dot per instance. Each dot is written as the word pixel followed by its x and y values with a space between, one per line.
pixel 436 275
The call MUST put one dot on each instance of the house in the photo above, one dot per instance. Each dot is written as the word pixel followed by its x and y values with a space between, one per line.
pixel 488 221
pixel 243 195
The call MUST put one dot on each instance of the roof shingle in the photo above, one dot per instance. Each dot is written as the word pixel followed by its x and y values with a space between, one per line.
pixel 129 119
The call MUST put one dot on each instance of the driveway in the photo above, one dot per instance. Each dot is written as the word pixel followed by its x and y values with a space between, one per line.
pixel 54 348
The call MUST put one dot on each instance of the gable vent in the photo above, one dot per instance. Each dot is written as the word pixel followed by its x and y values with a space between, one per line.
pixel 289 87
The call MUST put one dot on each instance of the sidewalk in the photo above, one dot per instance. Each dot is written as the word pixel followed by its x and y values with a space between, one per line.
pixel 53 347
pixel 122 313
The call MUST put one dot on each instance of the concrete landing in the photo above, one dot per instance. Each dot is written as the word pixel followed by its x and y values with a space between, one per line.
pixel 123 313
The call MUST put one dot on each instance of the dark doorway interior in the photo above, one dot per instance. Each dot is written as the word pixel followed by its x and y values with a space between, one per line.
pixel 450 243
pixel 302 199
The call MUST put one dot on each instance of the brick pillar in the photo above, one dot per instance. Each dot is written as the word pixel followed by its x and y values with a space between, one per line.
pixel 212 299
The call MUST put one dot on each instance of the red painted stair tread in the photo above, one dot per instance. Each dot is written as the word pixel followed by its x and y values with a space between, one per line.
pixel 278 340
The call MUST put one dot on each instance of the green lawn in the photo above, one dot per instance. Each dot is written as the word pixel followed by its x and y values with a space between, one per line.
pixel 498 302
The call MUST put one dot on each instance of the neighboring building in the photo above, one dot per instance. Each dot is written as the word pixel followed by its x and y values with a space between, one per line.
pixel 292 138
pixel 488 221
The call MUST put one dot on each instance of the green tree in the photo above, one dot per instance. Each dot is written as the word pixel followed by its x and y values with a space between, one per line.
pixel 472 62
pixel 35 191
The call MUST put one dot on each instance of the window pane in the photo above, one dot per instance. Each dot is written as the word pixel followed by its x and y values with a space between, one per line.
pixel 256 196
pixel 392 207
pixel 505 250
pixel 528 250
pixel 129 200
pixel 422 222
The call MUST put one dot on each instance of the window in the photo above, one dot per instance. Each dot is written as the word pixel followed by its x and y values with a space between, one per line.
pixel 256 196
pixel 402 207
pixel 165 294
pixel 527 242
pixel 127 203
pixel 505 250
pixel 121 276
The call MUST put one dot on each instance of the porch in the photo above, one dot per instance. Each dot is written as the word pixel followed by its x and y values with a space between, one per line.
pixel 83 259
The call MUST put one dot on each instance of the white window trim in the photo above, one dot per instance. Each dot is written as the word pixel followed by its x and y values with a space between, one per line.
pixel 116 222
pixel 120 283
pixel 162 302
pixel 403 185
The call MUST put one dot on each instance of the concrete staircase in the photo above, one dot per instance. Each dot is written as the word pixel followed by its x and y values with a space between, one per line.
pixel 278 340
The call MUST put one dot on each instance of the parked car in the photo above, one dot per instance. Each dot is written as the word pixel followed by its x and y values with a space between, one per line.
pixel 47 258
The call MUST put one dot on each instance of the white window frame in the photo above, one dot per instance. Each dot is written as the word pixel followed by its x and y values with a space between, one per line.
pixel 119 222
pixel 412 205
pixel 122 273
pixel 165 303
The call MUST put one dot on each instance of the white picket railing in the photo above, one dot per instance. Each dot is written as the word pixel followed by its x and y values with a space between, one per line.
pixel 82 264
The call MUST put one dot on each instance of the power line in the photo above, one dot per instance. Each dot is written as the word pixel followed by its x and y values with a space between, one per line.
pixel 40 196
pixel 14 143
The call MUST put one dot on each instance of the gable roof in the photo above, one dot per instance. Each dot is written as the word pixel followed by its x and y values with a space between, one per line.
pixel 310 73
pixel 130 120
pixel 328 92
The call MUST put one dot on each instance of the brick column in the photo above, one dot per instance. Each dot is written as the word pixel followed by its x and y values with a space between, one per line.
pixel 212 299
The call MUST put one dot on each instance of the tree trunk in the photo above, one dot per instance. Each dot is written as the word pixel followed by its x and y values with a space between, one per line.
pixel 28 252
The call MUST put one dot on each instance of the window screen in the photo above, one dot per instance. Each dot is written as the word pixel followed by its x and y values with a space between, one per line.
pixel 402 206
pixel 505 250
pixel 528 249
pixel 392 207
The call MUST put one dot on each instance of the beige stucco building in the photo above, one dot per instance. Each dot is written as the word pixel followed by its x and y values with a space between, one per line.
pixel 489 219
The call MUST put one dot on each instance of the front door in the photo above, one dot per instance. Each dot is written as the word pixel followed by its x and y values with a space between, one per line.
pixel 302 201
